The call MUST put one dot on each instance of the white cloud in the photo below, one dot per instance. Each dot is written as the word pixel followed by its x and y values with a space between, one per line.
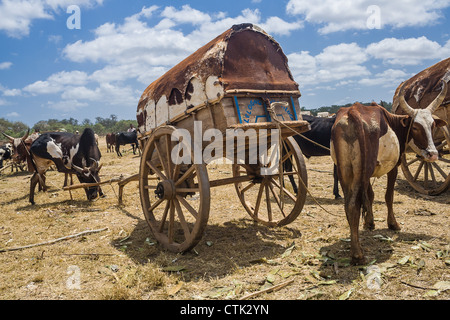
pixel 57 82
pixel 131 42
pixel 409 51
pixel 5 65
pixel 341 15
pixel 13 114
pixel 63 4
pixel 186 15
pixel 16 16
pixel 66 105
pixel 12 92
pixel 55 38
pixel 275 25
pixel 348 61
pixel 43 87
pixel 334 63
pixel 389 78
pixel 9 92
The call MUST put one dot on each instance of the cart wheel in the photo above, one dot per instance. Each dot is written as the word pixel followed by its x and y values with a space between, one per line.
pixel 175 198
pixel 431 178
pixel 265 199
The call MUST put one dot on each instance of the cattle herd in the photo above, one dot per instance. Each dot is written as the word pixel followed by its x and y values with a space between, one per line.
pixel 69 153
pixel 363 141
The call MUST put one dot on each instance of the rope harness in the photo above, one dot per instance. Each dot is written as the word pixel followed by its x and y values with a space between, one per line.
pixel 279 124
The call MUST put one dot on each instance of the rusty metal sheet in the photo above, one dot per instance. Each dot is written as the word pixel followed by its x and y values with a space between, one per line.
pixel 243 58
pixel 424 87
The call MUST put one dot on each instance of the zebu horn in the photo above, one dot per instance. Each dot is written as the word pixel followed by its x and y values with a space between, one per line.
pixel 438 101
pixel 403 104
pixel 11 139
pixel 78 169
pixel 26 135
pixel 96 165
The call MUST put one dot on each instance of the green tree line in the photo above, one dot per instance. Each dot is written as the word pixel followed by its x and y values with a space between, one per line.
pixel 102 126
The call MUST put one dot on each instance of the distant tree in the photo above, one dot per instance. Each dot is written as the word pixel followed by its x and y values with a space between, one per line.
pixel 102 126
pixel 123 125
pixel 99 129
pixel 386 105
pixel 86 123
pixel 14 129
pixel 107 122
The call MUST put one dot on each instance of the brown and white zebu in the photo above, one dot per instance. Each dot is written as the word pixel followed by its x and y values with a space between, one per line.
pixel 71 153
pixel 368 141
pixel 419 90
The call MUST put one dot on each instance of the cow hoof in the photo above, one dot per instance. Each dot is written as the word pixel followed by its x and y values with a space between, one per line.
pixel 369 226
pixel 358 260
pixel 337 197
pixel 394 226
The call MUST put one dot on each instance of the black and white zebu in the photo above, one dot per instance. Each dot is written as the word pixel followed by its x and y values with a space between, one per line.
pixel 71 153
pixel 5 153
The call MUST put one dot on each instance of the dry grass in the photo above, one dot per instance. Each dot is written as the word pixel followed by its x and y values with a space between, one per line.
pixel 235 256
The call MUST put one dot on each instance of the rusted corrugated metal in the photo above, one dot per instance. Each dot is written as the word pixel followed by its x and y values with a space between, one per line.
pixel 243 58
pixel 425 86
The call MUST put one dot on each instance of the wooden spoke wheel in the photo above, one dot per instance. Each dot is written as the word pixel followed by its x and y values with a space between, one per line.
pixel 175 198
pixel 265 198
pixel 431 178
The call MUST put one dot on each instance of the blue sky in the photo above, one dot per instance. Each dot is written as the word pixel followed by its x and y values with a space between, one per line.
pixel 339 51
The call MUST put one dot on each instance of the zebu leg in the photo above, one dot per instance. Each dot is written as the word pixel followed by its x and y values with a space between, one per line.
pixel 389 197
pixel 369 224
pixel 33 181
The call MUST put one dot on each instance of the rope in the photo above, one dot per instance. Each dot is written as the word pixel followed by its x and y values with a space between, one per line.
pixel 301 135
pixel 410 126
pixel 279 123
pixel 280 149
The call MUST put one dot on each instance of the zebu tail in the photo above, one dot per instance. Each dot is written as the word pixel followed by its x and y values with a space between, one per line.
pixel 363 179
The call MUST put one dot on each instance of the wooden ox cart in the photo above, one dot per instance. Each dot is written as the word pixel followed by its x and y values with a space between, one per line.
pixel 431 178
pixel 238 83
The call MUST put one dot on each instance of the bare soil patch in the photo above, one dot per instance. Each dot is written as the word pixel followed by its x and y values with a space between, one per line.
pixel 236 257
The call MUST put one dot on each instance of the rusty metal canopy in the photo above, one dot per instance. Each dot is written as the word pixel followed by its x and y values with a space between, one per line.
pixel 243 58
pixel 424 87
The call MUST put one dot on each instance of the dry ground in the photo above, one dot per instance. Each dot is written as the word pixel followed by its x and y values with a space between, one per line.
pixel 235 257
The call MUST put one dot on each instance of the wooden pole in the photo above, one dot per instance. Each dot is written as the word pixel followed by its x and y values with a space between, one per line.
pixel 53 241
pixel 87 185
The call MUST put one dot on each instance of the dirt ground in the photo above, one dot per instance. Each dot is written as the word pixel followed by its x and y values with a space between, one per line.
pixel 307 259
